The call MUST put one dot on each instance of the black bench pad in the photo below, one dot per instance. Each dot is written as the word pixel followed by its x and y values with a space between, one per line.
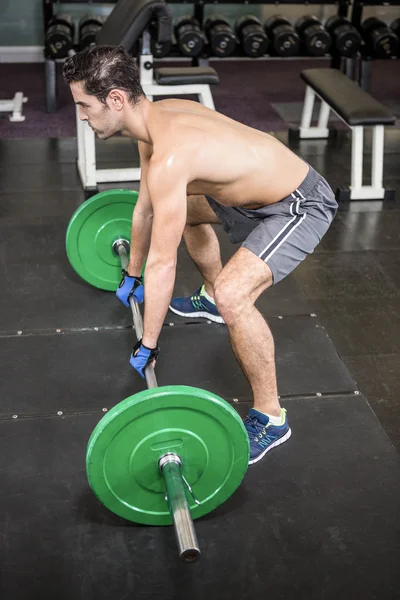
pixel 129 18
pixel 185 75
pixel 345 96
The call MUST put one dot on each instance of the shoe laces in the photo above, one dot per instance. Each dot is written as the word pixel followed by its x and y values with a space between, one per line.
pixel 197 301
pixel 253 426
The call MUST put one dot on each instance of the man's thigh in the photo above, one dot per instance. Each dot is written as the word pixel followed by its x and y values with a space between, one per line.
pixel 199 211
pixel 244 277
pixel 283 242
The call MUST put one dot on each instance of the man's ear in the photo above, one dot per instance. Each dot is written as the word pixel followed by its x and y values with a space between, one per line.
pixel 117 99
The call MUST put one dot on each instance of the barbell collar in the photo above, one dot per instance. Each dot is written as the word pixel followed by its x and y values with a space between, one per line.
pixel 125 244
pixel 167 458
pixel 171 469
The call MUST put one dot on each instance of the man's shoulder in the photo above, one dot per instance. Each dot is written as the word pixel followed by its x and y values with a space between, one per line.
pixel 170 151
pixel 168 167
pixel 167 146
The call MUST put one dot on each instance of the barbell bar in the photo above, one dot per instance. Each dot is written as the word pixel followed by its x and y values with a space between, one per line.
pixel 166 455
pixel 121 248
pixel 170 464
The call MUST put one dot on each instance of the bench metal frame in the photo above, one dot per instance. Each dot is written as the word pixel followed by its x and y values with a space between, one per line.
pixel 86 163
pixel 15 106
pixel 152 88
pixel 358 191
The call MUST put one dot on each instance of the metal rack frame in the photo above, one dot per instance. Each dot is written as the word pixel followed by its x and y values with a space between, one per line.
pixel 364 67
pixel 198 13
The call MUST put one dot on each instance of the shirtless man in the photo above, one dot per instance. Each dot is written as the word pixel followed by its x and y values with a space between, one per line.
pixel 198 168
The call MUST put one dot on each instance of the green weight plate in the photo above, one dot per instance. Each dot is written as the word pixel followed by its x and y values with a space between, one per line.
pixel 93 229
pixel 126 445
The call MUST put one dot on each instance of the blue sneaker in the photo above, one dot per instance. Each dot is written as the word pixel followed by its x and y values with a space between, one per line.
pixel 196 306
pixel 264 436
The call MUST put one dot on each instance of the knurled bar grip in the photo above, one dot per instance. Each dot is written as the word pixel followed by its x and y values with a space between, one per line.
pixel 170 464
pixel 137 318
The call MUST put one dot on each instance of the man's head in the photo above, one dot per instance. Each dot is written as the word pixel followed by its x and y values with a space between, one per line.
pixel 105 85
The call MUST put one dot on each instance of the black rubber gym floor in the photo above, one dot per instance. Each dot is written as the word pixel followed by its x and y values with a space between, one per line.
pixel 317 518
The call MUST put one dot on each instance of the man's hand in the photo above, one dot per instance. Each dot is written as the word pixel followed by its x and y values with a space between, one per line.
pixel 130 286
pixel 142 357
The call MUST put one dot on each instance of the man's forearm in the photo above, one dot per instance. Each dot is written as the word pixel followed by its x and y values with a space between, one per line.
pixel 140 242
pixel 159 285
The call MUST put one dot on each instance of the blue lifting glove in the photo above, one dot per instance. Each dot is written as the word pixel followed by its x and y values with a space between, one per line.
pixel 130 286
pixel 142 356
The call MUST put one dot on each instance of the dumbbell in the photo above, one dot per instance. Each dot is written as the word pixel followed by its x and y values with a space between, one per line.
pixel 285 41
pixel 189 36
pixel 89 27
pixel 166 455
pixel 395 26
pixel 314 37
pixel 59 36
pixel 381 41
pixel 252 36
pixel 346 40
pixel 220 36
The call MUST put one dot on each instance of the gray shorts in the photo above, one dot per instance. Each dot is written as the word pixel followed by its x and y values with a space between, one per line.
pixel 283 233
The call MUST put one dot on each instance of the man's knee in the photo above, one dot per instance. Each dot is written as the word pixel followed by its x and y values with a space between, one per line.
pixel 229 297
pixel 240 283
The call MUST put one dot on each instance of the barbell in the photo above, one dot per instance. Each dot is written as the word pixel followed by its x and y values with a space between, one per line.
pixel 166 455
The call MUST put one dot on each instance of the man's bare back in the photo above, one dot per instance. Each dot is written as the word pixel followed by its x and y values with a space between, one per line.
pixel 231 162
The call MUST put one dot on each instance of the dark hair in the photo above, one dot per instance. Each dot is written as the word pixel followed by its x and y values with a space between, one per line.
pixel 103 68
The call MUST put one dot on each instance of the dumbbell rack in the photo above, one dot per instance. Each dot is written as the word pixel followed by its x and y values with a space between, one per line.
pixel 48 7
pixel 198 14
pixel 364 70
pixel 51 63
pixel 199 9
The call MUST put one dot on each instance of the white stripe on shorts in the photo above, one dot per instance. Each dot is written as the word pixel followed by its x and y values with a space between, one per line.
pixel 291 229
pixel 299 192
pixel 279 232
pixel 285 238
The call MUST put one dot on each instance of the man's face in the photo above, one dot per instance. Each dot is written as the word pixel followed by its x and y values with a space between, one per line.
pixel 102 118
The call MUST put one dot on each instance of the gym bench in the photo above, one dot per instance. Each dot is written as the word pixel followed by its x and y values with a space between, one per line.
pixel 132 24
pixel 15 106
pixel 358 110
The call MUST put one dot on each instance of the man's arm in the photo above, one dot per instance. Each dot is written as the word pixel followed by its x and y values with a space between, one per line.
pixel 167 190
pixel 142 217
